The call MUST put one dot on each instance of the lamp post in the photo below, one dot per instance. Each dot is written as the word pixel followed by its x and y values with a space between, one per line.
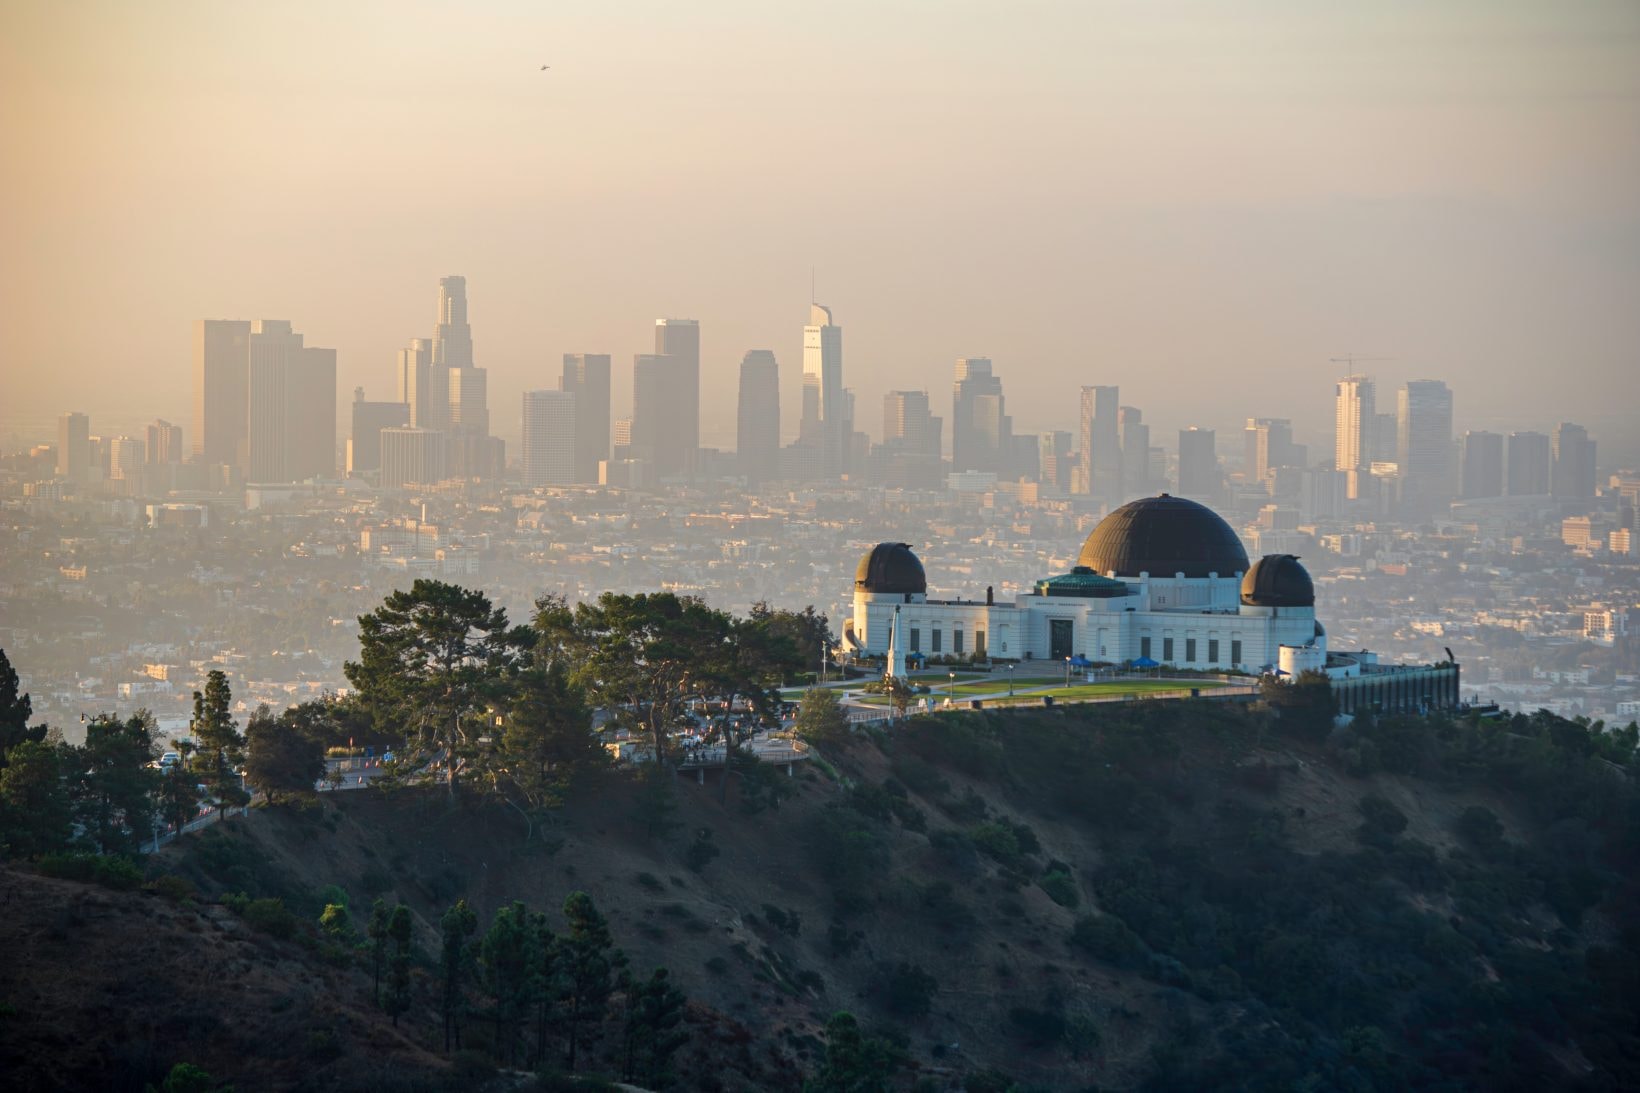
pixel 1067 671
pixel 825 653
pixel 951 688
pixel 1010 681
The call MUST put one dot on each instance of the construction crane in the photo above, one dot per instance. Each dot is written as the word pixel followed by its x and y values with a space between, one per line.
pixel 1350 359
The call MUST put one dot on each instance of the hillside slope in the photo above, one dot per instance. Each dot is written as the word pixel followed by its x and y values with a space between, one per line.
pixel 1174 895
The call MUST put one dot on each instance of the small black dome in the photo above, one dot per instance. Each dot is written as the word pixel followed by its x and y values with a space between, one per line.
pixel 1163 536
pixel 1278 580
pixel 890 568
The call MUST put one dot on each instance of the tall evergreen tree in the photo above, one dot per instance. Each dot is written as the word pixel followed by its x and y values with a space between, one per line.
pixel 653 1028
pixel 221 748
pixel 398 975
pixel 455 927
pixel 177 798
pixel 547 739
pixel 280 759
pixel 377 932
pixel 428 660
pixel 112 785
pixel 589 962
pixel 34 809
pixel 506 954
pixel 15 710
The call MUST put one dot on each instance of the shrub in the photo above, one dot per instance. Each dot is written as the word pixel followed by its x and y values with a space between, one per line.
pixel 1041 1027
pixel 789 923
pixel 1383 821
pixel 970 808
pixel 701 851
pixel 270 917
pixel 1061 888
pixel 945 910
pixel 1480 828
pixel 919 776
pixel 999 841
pixel 1107 938
pixel 842 940
pixel 717 966
pixel 650 881
pixel 108 870
pixel 171 887
pixel 906 990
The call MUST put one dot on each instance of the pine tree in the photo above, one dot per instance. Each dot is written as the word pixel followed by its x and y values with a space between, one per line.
pixel 221 747
pixel 589 961
pixel 15 710
pixel 456 926
pixel 378 946
pixel 112 785
pixel 654 1019
pixel 506 953
pixel 398 979
pixel 34 807
pixel 178 797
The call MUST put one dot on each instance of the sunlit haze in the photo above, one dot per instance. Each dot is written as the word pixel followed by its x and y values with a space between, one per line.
pixel 1201 203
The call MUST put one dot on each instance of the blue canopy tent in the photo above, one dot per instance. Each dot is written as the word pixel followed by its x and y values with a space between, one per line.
pixel 1080 661
pixel 1145 664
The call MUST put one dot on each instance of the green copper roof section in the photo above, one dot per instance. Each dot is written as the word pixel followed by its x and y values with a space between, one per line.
pixel 1083 583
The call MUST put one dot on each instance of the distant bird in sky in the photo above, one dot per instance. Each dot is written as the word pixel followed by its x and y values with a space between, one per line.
pixel 545 67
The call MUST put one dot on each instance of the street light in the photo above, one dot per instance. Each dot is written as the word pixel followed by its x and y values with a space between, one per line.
pixel 1010 681
pixel 1067 671
pixel 951 689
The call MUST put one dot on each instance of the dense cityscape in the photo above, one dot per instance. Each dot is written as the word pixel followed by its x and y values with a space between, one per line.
pixel 497 596
pixel 1515 553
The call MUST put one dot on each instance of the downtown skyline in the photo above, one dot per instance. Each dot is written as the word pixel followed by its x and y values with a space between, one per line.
pixel 1157 207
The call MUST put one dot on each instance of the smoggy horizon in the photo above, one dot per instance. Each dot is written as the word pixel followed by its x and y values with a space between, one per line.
pixel 1175 203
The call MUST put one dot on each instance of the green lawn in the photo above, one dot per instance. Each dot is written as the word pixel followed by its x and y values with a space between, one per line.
pixel 1128 686
pixel 1000 683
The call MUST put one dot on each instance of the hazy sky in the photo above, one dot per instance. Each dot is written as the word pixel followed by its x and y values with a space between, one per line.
pixel 1201 203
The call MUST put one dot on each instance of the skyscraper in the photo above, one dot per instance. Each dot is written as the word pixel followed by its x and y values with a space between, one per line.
pixel 757 421
pixel 1482 464
pixel 1355 421
pixel 1574 469
pixel 1269 443
pixel 1135 439
pixel 1055 460
pixel 164 443
pixel 981 430
pixel 273 348
pixel 549 438
pixel 825 420
pixel 908 423
pixel 586 376
pixel 221 389
pixel 416 387
pixel 1529 461
pixel 1200 478
pixel 453 336
pixel 412 456
pixel 125 463
pixel 679 341
pixel 290 430
pixel 654 432
pixel 74 447
pixel 364 445
pixel 1423 448
pixel 1101 443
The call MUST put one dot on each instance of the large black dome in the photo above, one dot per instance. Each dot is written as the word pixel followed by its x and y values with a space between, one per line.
pixel 1278 580
pixel 1163 536
pixel 890 568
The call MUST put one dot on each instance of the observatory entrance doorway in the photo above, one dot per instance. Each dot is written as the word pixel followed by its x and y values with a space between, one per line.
pixel 1059 638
